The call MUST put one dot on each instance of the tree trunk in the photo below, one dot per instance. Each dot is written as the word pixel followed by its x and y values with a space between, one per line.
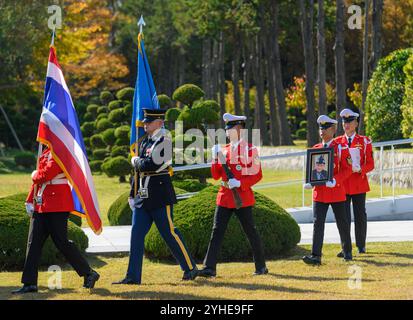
pixel 214 70
pixel 222 86
pixel 376 36
pixel 365 66
pixel 285 132
pixel 307 35
pixel 321 57
pixel 340 61
pixel 206 66
pixel 235 77
pixel 246 83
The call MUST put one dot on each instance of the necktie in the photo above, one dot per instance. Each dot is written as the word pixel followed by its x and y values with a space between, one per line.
pixel 325 145
pixel 349 142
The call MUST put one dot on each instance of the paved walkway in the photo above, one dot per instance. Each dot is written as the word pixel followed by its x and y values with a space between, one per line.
pixel 116 239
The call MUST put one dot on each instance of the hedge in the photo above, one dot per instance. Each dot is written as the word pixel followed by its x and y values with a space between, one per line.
pixel 383 114
pixel 407 106
pixel 194 218
pixel 14 226
pixel 25 159
pixel 190 185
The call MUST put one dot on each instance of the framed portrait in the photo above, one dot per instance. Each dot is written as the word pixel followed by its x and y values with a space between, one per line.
pixel 320 166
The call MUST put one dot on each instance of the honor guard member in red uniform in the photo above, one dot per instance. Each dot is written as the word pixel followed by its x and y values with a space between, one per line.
pixel 357 185
pixel 154 200
pixel 243 160
pixel 50 214
pixel 332 194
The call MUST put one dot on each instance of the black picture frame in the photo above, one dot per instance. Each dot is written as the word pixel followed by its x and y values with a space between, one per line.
pixel 320 178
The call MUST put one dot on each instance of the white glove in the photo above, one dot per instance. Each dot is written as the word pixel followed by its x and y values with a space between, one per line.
pixel 356 168
pixel 29 209
pixel 307 186
pixel 133 160
pixel 214 151
pixel 131 202
pixel 34 173
pixel 331 184
pixel 234 183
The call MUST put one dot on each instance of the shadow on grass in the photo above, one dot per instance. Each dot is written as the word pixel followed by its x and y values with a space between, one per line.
pixel 400 255
pixel 153 295
pixel 386 264
pixel 253 286
pixel 314 278
pixel 43 294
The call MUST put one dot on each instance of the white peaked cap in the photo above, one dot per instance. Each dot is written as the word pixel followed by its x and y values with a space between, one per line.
pixel 325 119
pixel 345 113
pixel 230 117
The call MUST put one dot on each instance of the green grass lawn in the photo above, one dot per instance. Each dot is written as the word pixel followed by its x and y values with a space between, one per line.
pixel 108 189
pixel 386 273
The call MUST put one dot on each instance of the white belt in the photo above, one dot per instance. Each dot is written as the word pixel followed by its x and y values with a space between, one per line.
pixel 59 179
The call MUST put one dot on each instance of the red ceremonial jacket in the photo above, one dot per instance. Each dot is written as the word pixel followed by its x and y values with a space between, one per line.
pixel 246 167
pixel 342 170
pixel 56 197
pixel 358 182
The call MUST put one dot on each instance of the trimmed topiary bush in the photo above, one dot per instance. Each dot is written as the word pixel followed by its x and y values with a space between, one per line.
pixel 92 109
pixel 164 101
pixel 125 94
pixel 190 185
pixel 194 218
pixel 383 114
pixel 119 151
pixel 117 116
pixel 172 114
pixel 14 226
pixel 100 154
pixel 407 106
pixel 115 104
pixel 88 117
pixel 96 165
pixel 123 133
pixel 211 105
pixel 25 159
pixel 106 97
pixel 188 94
pixel 97 141
pixel 88 128
pixel 103 124
pixel 108 136
pixel 117 166
pixel 102 110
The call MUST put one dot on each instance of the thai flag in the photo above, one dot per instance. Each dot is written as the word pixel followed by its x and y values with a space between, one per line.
pixel 59 129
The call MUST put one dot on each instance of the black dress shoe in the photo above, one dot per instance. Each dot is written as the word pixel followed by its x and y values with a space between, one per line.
pixel 126 281
pixel 362 250
pixel 340 254
pixel 191 275
pixel 207 272
pixel 313 260
pixel 25 289
pixel 90 280
pixel 261 271
pixel 347 256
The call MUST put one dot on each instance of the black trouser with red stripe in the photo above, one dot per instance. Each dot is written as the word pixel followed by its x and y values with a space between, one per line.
pixel 360 217
pixel 221 219
pixel 55 225
pixel 320 210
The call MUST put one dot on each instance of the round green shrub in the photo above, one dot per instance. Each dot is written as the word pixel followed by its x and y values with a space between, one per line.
pixel 25 159
pixel 122 132
pixel 100 154
pixel 103 124
pixel 87 129
pixel 86 142
pixel 194 218
pixel 301 134
pixel 88 117
pixel 188 119
pixel 125 94
pixel 407 106
pixel 190 185
pixel 117 116
pixel 172 114
pixel 96 165
pixel 115 104
pixel 14 226
pixel 117 166
pixel 120 214
pixel 164 101
pixel 106 97
pixel 102 110
pixel 127 110
pixel 119 151
pixel 97 141
pixel 102 116
pixel 188 94
pixel 202 113
pixel 210 105
pixel 92 109
pixel 383 115
pixel 108 136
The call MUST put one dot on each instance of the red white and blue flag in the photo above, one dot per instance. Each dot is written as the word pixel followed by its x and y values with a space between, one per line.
pixel 59 129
